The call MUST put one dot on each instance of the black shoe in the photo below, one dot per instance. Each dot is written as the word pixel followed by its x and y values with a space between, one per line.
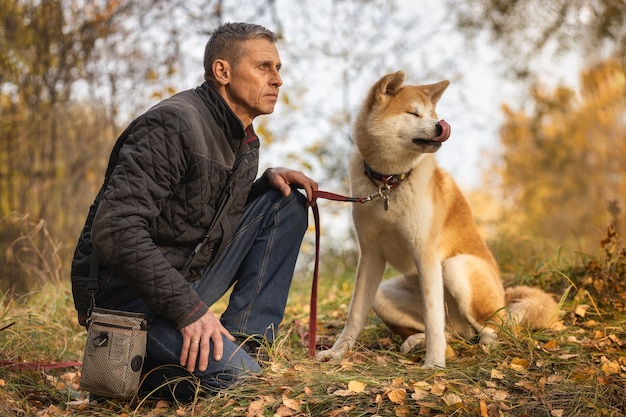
pixel 256 347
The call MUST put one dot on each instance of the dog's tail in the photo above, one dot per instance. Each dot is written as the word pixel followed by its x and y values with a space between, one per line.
pixel 531 307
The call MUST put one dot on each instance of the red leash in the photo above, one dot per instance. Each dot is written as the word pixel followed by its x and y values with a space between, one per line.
pixel 316 217
pixel 23 366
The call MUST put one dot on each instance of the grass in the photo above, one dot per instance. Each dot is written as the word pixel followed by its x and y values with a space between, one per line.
pixel 576 368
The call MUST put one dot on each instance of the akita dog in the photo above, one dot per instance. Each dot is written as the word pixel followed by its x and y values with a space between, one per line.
pixel 419 222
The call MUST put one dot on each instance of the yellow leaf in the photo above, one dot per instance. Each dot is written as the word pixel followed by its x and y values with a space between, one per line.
pixel 495 374
pixel 484 411
pixel 397 382
pixel 581 310
pixel 519 364
pixel 397 395
pixel 551 346
pixel 610 368
pixel 356 386
pixel 402 411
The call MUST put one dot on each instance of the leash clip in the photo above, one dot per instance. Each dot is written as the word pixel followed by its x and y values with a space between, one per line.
pixel 383 191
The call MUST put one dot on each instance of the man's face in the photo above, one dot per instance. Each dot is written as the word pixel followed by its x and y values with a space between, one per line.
pixel 254 81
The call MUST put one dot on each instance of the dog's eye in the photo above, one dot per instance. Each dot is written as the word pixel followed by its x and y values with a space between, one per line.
pixel 414 113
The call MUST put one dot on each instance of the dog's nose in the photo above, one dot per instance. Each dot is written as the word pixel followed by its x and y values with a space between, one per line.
pixel 439 129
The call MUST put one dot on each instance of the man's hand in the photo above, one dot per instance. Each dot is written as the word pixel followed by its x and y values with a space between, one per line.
pixel 283 178
pixel 197 339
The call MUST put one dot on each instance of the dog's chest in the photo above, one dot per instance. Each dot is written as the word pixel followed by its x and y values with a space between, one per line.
pixel 403 214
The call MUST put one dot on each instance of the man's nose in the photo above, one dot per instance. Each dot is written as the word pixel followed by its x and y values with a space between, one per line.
pixel 276 79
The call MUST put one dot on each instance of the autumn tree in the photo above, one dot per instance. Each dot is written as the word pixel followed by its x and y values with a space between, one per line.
pixel 563 162
pixel 530 33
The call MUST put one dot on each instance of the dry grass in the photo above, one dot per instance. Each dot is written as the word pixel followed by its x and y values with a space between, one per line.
pixel 578 368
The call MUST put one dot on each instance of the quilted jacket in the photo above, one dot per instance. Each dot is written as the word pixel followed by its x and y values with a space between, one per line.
pixel 161 190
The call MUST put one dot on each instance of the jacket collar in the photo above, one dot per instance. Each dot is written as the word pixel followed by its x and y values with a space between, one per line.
pixel 232 126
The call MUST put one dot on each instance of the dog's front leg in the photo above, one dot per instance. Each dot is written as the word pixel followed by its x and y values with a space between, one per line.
pixel 369 275
pixel 431 282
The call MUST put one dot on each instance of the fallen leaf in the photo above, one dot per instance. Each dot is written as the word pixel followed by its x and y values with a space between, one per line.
pixel 293 403
pixel 356 386
pixel 551 346
pixel 419 395
pixel 397 382
pixel 160 408
pixel 343 393
pixel 438 389
pixel 452 399
pixel 556 413
pixel 450 354
pixel 610 367
pixel 341 411
pixel 257 407
pixel 527 385
pixel 581 310
pixel 402 411
pixel 484 411
pixel 500 395
pixel 589 324
pixel 495 374
pixel 285 411
pixel 397 395
pixel 555 379
pixel 519 364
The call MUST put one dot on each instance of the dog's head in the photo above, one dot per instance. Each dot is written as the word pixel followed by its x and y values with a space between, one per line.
pixel 399 119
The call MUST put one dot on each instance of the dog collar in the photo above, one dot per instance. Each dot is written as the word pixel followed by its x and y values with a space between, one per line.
pixel 388 183
pixel 391 181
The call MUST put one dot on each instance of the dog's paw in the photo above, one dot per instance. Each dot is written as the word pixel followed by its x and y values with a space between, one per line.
pixel 488 336
pixel 434 364
pixel 415 340
pixel 331 355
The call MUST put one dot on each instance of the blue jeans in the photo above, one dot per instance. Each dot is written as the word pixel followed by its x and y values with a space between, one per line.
pixel 258 263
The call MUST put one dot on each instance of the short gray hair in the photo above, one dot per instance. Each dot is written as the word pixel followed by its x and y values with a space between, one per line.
pixel 226 43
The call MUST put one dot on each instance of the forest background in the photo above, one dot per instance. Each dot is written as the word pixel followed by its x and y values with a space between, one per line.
pixel 536 104
pixel 543 165
pixel 537 108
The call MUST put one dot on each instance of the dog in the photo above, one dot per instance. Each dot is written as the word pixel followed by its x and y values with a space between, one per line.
pixel 418 221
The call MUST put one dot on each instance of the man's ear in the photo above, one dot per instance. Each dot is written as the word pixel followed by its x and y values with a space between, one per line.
pixel 221 71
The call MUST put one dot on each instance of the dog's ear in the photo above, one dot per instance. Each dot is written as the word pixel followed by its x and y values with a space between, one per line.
pixel 390 83
pixel 435 91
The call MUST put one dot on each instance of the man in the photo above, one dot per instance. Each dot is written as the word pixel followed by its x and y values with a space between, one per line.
pixel 165 182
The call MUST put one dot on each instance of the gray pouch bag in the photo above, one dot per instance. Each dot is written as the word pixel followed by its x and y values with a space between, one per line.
pixel 114 353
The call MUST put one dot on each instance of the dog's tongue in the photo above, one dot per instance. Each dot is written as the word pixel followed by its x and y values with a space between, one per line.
pixel 444 131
